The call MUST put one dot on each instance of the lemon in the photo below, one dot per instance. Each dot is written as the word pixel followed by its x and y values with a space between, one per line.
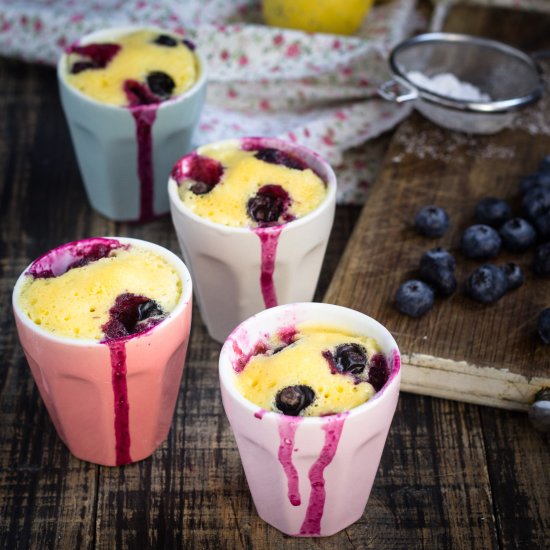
pixel 329 16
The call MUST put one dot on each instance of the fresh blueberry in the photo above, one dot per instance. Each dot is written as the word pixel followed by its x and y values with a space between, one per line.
pixel 537 180
pixel 268 204
pixel 414 298
pixel 517 235
pixel 514 275
pixel 437 269
pixel 542 225
pixel 543 325
pixel 541 263
pixel 276 156
pixel 161 84
pixel 487 284
pixel 350 358
pixel 536 203
pixel 166 40
pixel 431 221
pixel 544 166
pixel 480 242
pixel 292 400
pixel 539 412
pixel 492 211
pixel 438 257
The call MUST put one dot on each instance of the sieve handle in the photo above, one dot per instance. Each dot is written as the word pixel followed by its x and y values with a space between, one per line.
pixel 397 90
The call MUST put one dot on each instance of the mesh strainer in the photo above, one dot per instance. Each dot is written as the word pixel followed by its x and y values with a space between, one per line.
pixel 511 78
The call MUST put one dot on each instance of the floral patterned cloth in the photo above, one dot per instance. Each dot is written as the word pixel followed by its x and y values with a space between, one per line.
pixel 315 89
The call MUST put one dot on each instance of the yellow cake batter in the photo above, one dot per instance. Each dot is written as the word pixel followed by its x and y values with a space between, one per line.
pixel 138 57
pixel 76 304
pixel 243 175
pixel 302 363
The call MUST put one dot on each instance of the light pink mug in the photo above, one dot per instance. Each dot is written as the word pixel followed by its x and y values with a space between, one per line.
pixel 309 476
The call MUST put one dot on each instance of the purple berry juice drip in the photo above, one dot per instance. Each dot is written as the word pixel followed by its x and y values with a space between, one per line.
pixel 269 239
pixel 132 314
pixel 144 117
pixel 287 434
pixel 117 349
pixel 332 427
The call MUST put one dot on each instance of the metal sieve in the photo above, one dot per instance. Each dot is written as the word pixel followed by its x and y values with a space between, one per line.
pixel 511 78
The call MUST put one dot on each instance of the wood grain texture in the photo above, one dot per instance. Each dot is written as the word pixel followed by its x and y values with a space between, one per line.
pixel 461 349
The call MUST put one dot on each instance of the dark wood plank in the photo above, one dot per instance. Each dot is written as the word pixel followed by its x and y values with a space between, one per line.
pixel 46 495
pixel 461 349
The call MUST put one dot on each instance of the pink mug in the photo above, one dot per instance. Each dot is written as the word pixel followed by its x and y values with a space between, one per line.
pixel 111 402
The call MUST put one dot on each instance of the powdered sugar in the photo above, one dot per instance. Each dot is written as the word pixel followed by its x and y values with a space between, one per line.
pixel 447 84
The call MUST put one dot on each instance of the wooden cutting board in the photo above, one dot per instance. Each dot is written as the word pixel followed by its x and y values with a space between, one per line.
pixel 463 350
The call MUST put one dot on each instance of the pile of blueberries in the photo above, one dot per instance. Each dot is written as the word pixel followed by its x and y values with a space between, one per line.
pixel 496 228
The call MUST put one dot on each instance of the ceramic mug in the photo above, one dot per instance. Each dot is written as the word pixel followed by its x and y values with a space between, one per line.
pixel 238 271
pixel 125 154
pixel 309 476
pixel 83 382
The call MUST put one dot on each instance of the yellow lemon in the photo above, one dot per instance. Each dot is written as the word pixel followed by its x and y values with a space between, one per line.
pixel 329 16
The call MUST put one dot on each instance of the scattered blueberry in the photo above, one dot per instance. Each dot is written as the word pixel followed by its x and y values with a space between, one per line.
pixel 539 412
pixel 276 156
pixel 161 84
pixel 292 400
pixel 131 314
pixel 166 40
pixel 480 242
pixel 492 211
pixel 542 225
pixel 514 275
pixel 544 166
pixel 268 204
pixel 536 203
pixel 350 358
pixel 431 221
pixel 543 325
pixel 541 263
pixel 487 284
pixel 517 235
pixel 534 181
pixel 414 298
pixel 437 269
pixel 438 257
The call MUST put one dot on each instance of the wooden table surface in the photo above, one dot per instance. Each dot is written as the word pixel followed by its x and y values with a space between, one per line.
pixel 452 475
